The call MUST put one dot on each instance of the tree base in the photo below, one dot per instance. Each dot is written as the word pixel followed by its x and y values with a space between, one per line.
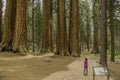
pixel 75 54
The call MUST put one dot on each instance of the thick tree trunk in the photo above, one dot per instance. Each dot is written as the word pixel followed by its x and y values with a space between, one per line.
pixel 47 36
pixel 10 17
pixel 45 25
pixel 0 21
pixel 103 33
pixel 74 30
pixel 62 45
pixel 20 34
pixel 111 12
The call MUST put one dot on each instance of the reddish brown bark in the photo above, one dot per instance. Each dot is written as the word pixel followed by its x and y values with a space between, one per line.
pixel 20 34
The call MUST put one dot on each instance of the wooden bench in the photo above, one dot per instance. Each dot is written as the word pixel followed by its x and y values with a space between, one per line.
pixel 100 71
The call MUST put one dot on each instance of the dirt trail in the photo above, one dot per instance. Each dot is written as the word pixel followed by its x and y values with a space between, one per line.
pixel 75 70
pixel 47 67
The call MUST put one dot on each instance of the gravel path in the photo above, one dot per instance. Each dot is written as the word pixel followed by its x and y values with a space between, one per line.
pixel 75 71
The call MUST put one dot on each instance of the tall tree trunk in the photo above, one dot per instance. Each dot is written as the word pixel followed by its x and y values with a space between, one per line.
pixel 0 20
pixel 70 28
pixel 33 25
pixel 57 32
pixel 20 34
pixel 62 45
pixel 81 23
pixel 51 44
pixel 10 17
pixel 74 30
pixel 96 27
pixel 38 23
pixel 103 33
pixel 88 33
pixel 111 12
pixel 47 44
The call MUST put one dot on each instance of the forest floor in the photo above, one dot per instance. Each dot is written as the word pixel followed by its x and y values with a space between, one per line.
pixel 49 67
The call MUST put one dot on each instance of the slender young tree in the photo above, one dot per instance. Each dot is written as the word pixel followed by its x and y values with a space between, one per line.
pixel 20 34
pixel 103 33
pixel 0 20
pixel 57 29
pixel 96 26
pixel 81 23
pixel 62 45
pixel 111 13
pixel 38 23
pixel 33 25
pixel 10 17
pixel 88 33
pixel 74 30
pixel 51 47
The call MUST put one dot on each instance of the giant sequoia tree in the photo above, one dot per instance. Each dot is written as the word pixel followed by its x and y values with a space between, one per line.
pixel 45 25
pixel 62 45
pixel 10 17
pixel 20 34
pixel 47 44
pixel 73 32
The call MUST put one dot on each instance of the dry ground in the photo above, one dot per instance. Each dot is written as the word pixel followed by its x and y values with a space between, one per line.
pixel 49 67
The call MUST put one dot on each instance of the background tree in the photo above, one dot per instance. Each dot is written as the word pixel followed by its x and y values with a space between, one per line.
pixel 103 33
pixel 51 44
pixel 117 25
pixel 82 24
pixel 88 27
pixel 33 25
pixel 85 24
pixel 111 14
pixel 96 26
pixel 57 26
pixel 38 23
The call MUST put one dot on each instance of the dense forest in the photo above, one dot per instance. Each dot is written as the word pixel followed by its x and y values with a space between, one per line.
pixel 63 27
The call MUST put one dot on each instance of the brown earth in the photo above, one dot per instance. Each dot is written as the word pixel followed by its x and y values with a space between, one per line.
pixel 48 67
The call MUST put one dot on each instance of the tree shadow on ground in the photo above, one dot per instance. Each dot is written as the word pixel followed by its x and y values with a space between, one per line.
pixel 115 70
pixel 33 68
